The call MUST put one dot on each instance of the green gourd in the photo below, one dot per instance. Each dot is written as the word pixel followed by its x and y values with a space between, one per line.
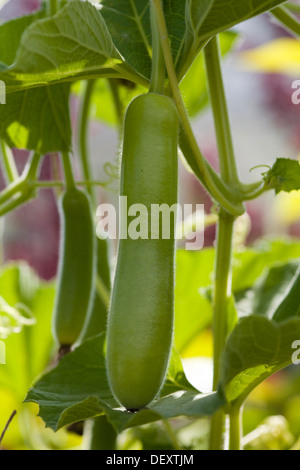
pixel 140 322
pixel 75 279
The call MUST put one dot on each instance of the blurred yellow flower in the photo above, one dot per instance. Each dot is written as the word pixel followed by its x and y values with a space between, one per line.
pixel 287 207
pixel 278 56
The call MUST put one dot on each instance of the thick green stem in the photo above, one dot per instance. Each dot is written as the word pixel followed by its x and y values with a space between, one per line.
pixel 227 158
pixel 21 190
pixel 158 74
pixel 250 188
pixel 235 428
pixel 69 176
pixel 32 167
pixel 222 290
pixel 60 184
pixel 11 190
pixel 23 184
pixel 217 431
pixel 189 156
pixel 287 19
pixel 15 203
pixel 83 133
pixel 256 193
pixel 220 112
pixel 171 434
pixel 53 7
pixel 222 294
pixel 9 163
pixel 119 108
pixel 101 435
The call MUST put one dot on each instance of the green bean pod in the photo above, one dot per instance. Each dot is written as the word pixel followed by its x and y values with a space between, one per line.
pixel 140 322
pixel 75 279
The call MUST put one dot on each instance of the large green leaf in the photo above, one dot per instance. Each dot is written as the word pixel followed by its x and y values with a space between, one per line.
pixel 290 306
pixel 11 33
pixel 205 18
pixel 33 119
pixel 133 40
pixel 56 49
pixel 37 119
pixel 265 296
pixel 129 25
pixel 250 263
pixel 51 51
pixel 73 49
pixel 261 343
pixel 77 389
pixel 255 350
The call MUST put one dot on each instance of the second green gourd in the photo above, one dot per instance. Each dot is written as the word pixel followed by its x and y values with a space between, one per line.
pixel 140 323
pixel 75 279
